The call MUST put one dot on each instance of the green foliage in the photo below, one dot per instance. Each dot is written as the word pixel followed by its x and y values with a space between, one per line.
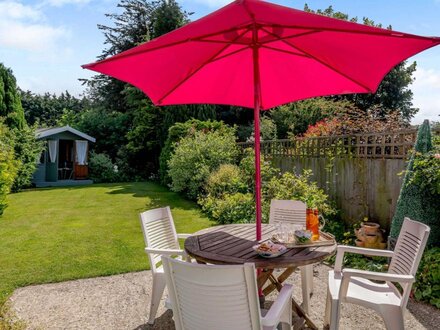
pixel 299 187
pixel 8 165
pixel 27 152
pixel 196 156
pixel 295 118
pixel 227 179
pixel 176 133
pixel 247 166
pixel 52 110
pixel 10 104
pixel 426 172
pixel 109 129
pixel 268 130
pixel 230 208
pixel 102 168
pixel 167 17
pixel 393 92
pixel 416 201
pixel 427 285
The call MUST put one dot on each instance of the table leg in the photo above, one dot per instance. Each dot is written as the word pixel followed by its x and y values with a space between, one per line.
pixel 276 284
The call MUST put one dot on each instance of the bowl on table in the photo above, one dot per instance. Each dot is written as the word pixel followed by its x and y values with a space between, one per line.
pixel 269 249
pixel 303 236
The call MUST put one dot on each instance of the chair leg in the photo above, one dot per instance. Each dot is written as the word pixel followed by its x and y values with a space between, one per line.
pixel 306 284
pixel 156 294
pixel 393 319
pixel 331 316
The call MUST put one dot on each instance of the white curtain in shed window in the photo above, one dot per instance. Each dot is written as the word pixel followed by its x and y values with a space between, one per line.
pixel 53 150
pixel 81 151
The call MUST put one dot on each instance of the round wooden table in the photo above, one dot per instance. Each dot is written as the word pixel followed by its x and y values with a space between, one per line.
pixel 232 244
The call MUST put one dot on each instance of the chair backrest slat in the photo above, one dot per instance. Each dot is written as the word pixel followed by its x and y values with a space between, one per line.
pixel 212 297
pixel 408 252
pixel 289 211
pixel 159 232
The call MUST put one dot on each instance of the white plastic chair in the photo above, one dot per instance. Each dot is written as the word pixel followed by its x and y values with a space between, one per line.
pixel 221 297
pixel 356 286
pixel 294 212
pixel 161 239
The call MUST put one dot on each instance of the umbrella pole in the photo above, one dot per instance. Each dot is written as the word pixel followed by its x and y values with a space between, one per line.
pixel 257 106
pixel 257 173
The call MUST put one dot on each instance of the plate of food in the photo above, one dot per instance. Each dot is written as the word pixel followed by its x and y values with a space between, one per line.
pixel 269 249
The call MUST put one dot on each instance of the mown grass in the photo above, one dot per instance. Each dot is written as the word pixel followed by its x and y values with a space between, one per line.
pixel 59 234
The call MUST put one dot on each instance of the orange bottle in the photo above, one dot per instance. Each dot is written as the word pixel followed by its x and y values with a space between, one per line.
pixel 312 223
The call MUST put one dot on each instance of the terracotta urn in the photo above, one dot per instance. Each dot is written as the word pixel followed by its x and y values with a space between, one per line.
pixel 370 228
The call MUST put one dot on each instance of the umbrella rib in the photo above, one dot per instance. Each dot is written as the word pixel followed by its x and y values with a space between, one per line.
pixel 381 32
pixel 325 64
pixel 289 36
pixel 210 59
pixel 229 54
pixel 284 51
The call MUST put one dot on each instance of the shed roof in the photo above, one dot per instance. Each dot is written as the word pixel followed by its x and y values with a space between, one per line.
pixel 47 132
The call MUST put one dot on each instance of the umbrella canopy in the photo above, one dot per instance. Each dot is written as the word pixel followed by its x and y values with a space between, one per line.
pixel 260 55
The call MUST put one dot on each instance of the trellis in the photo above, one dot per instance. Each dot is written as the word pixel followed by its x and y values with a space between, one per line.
pixel 386 145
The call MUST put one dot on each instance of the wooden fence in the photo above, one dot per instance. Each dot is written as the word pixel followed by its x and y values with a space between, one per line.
pixel 359 172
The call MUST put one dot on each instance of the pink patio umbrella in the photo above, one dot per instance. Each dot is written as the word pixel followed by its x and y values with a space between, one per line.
pixel 259 55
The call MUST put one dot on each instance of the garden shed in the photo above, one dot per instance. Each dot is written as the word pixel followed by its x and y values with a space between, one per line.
pixel 64 160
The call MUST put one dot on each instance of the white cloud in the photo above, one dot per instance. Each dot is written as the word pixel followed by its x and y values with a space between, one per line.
pixel 16 11
pixel 60 3
pixel 426 90
pixel 24 27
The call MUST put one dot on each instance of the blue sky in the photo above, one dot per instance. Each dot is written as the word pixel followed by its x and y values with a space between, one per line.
pixel 46 41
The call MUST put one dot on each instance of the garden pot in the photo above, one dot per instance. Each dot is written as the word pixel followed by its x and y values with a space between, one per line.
pixel 358 233
pixel 359 243
pixel 382 245
pixel 370 238
pixel 370 228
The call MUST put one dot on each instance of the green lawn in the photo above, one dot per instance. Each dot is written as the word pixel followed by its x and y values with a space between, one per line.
pixel 58 234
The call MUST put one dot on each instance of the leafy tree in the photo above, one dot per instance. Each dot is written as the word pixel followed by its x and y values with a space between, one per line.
pixel 109 129
pixel 52 110
pixel 393 92
pixel 295 118
pixel 8 165
pixel 27 151
pixel 10 104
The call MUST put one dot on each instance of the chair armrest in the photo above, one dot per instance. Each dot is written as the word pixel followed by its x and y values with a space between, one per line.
pixel 183 236
pixel 341 249
pixel 348 273
pixel 275 312
pixel 166 252
pixel 376 276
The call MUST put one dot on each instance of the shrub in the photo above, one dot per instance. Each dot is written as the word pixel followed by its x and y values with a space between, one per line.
pixel 179 131
pixel 102 168
pixel 226 179
pixel 196 156
pixel 299 187
pixel 8 165
pixel 247 166
pixel 426 170
pixel 427 285
pixel 230 208
pixel 416 200
pixel 27 152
